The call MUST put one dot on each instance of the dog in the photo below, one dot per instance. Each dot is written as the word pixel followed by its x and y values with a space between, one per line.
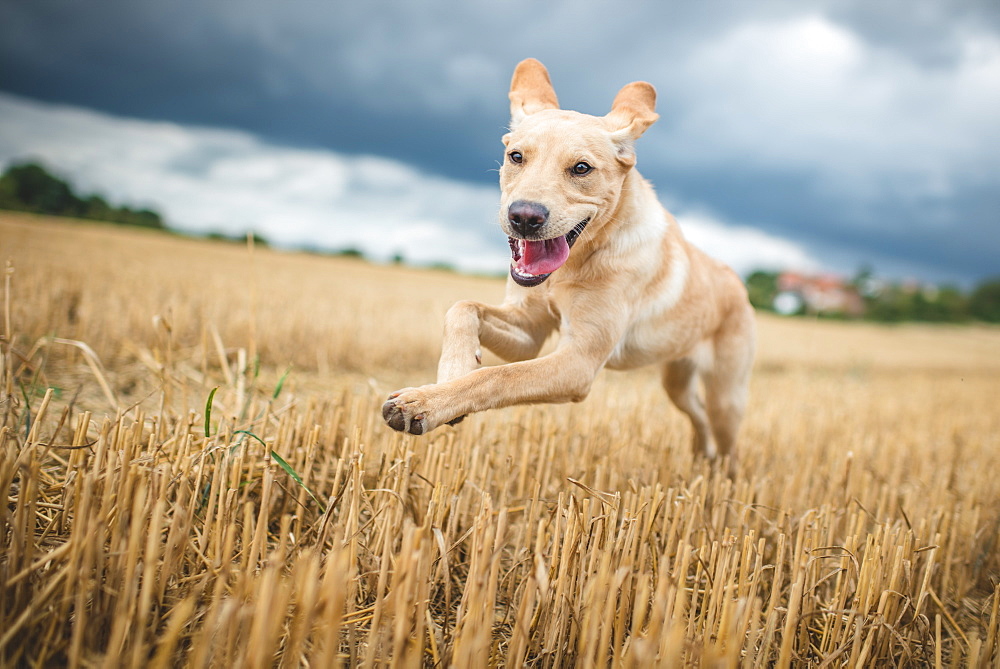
pixel 596 257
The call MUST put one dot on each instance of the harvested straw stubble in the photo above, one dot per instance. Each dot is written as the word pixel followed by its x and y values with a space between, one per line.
pixel 860 528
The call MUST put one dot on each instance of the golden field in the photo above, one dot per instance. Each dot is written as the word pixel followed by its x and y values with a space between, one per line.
pixel 147 525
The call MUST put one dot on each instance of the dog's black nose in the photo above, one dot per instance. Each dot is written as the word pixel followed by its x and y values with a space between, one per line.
pixel 527 218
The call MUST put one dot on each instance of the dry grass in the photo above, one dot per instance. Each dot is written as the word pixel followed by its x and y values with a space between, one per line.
pixel 861 529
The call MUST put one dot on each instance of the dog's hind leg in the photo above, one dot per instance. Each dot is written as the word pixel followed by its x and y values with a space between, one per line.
pixel 680 379
pixel 727 382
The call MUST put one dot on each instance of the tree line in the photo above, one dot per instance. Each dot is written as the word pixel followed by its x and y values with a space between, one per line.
pixel 889 302
pixel 30 187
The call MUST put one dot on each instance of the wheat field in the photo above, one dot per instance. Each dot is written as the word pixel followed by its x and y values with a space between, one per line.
pixel 197 474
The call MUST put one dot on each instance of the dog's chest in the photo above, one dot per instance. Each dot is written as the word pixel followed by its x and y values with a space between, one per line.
pixel 657 330
pixel 646 343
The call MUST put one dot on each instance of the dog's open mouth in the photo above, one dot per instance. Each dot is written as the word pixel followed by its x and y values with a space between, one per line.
pixel 532 262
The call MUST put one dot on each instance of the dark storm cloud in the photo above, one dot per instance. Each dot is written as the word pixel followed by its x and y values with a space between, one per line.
pixel 930 32
pixel 845 125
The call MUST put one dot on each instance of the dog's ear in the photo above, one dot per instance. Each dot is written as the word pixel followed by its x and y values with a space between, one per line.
pixel 631 114
pixel 530 91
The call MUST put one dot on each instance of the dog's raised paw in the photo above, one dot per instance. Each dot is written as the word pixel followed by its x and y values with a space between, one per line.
pixel 398 419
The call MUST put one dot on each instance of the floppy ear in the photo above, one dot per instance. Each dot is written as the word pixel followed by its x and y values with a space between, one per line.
pixel 530 91
pixel 631 114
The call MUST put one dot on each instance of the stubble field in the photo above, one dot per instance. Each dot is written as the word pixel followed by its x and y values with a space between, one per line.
pixel 197 474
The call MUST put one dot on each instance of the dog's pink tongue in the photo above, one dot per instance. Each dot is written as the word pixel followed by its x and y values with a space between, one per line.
pixel 543 257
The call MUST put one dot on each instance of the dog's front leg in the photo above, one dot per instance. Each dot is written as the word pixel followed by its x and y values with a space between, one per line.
pixel 562 376
pixel 512 331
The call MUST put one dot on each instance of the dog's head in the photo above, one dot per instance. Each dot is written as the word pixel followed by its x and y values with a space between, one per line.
pixel 563 171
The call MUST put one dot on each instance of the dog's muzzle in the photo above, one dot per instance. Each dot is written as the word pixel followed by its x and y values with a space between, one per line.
pixel 533 261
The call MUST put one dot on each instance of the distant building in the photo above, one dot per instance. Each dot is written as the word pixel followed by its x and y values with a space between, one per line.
pixel 824 294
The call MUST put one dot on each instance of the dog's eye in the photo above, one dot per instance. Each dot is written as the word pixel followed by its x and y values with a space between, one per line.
pixel 582 168
pixel 515 157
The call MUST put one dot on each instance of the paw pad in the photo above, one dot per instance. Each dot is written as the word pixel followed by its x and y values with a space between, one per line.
pixel 397 419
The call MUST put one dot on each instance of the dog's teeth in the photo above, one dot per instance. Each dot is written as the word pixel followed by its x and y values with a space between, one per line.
pixel 524 275
pixel 515 248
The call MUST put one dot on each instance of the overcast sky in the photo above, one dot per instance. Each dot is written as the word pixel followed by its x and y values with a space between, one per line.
pixel 804 133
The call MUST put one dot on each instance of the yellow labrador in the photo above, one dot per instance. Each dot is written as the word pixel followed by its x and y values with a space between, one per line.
pixel 596 257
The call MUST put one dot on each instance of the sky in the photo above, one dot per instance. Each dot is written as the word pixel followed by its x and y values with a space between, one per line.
pixel 810 134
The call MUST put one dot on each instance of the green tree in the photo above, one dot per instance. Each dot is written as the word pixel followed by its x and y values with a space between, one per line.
pixel 984 303
pixel 891 305
pixel 96 208
pixel 762 287
pixel 952 304
pixel 259 240
pixel 28 187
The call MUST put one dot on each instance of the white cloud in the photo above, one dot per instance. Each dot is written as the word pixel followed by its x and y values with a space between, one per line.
pixel 808 94
pixel 218 180
pixel 743 248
